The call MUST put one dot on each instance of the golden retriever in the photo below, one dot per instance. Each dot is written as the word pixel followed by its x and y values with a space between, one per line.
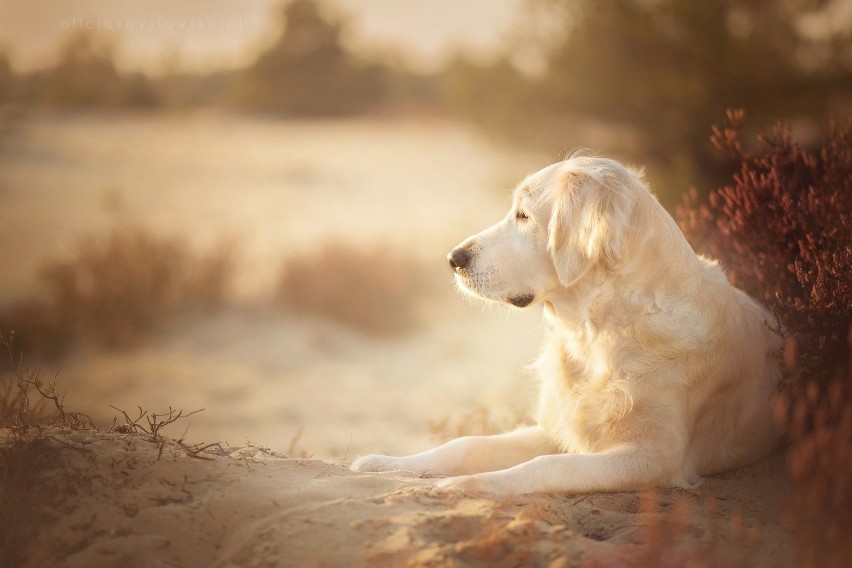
pixel 656 370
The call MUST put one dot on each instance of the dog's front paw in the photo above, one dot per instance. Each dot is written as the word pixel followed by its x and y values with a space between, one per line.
pixel 486 485
pixel 375 462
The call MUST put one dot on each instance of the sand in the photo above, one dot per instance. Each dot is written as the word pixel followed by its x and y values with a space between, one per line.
pixel 272 378
pixel 135 502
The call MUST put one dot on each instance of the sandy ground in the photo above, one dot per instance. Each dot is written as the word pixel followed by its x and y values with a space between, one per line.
pixel 266 379
pixel 140 503
pixel 276 189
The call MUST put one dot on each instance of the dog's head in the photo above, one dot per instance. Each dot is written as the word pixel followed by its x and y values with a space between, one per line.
pixel 565 220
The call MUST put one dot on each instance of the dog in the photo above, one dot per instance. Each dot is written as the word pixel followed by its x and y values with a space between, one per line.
pixel 656 371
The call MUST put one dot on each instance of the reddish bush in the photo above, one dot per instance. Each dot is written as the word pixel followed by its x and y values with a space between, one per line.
pixel 783 231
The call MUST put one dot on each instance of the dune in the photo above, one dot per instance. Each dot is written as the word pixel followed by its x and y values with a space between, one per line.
pixel 114 499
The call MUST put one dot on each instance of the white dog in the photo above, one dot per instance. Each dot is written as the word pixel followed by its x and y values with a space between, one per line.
pixel 656 370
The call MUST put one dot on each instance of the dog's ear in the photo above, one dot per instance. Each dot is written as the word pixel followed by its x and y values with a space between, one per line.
pixel 587 224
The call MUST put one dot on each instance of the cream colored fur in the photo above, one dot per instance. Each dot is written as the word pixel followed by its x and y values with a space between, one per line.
pixel 655 371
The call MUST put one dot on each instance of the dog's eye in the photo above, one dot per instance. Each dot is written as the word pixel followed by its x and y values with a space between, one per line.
pixel 520 215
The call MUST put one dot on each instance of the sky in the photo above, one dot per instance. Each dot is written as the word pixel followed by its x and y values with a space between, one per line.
pixel 199 35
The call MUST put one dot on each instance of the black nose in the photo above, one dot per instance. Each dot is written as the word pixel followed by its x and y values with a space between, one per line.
pixel 458 258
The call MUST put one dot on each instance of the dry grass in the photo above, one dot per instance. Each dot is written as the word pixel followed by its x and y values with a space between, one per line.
pixel 380 291
pixel 28 401
pixel 116 289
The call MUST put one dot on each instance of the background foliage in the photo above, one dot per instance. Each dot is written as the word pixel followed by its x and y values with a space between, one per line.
pixel 641 80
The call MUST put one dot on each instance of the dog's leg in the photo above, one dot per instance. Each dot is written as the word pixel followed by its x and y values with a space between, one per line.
pixel 626 469
pixel 470 454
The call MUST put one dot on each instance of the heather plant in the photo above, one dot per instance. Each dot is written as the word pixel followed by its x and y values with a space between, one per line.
pixel 783 231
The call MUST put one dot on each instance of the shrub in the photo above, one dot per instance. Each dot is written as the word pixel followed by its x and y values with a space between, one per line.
pixel 115 289
pixel 377 290
pixel 783 230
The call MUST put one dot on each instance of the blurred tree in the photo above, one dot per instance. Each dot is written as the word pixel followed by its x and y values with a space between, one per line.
pixel 308 72
pixel 484 92
pixel 666 70
pixel 86 75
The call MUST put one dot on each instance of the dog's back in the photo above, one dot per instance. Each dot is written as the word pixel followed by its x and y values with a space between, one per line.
pixel 733 425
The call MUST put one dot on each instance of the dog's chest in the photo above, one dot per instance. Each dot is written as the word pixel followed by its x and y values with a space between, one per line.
pixel 586 394
pixel 583 357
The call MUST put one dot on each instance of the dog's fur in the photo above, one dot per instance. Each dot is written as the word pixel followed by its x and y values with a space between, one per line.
pixel 656 370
